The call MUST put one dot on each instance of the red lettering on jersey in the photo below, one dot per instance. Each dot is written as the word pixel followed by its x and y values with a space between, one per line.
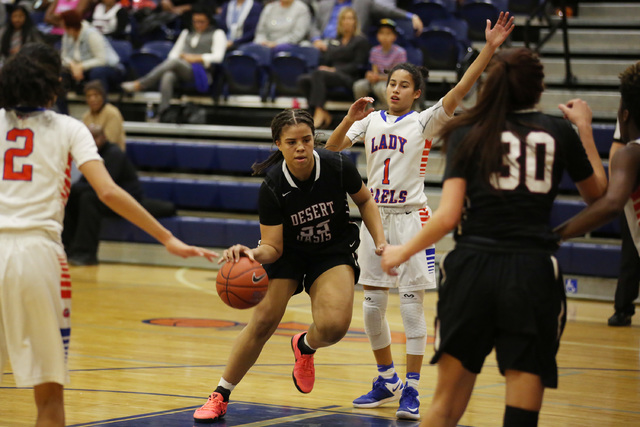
pixel 26 172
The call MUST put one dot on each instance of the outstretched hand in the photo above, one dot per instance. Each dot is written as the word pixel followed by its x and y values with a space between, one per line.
pixel 177 247
pixel 498 34
pixel 359 110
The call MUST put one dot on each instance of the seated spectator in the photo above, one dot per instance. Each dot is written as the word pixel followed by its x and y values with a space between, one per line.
pixel 111 19
pixel 194 51
pixel 341 64
pixel 18 31
pixel 239 19
pixel 87 54
pixel 84 211
pixel 103 114
pixel 368 11
pixel 53 14
pixel 382 58
pixel 283 22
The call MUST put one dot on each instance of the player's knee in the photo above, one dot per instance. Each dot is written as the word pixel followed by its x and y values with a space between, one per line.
pixel 376 326
pixel 415 325
pixel 263 325
pixel 333 330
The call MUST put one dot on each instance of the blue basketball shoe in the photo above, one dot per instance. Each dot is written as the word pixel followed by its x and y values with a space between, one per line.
pixel 409 404
pixel 383 391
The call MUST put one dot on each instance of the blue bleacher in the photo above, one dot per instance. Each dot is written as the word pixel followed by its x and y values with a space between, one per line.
pixel 199 156
pixel 212 232
pixel 589 259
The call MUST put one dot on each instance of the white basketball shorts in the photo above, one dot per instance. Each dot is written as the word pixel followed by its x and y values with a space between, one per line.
pixel 400 225
pixel 35 306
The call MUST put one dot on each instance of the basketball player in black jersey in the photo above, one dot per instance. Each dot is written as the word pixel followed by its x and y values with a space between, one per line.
pixel 307 243
pixel 500 287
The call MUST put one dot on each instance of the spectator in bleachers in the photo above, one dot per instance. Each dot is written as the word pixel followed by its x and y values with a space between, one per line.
pixel 283 22
pixel 382 58
pixel 84 210
pixel 111 19
pixel 341 64
pixel 103 114
pixel 326 21
pixel 18 31
pixel 239 20
pixel 194 52
pixel 53 15
pixel 86 53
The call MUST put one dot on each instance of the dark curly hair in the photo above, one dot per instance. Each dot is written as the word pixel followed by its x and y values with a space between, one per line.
pixel 31 78
pixel 630 92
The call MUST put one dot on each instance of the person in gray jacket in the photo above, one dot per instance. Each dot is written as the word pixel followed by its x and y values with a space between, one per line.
pixel 86 53
pixel 194 52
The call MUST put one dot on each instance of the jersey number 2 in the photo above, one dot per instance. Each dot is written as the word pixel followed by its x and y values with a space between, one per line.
pixel 539 156
pixel 25 173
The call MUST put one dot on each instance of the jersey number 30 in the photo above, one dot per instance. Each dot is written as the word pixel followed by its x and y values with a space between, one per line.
pixel 538 163
pixel 25 173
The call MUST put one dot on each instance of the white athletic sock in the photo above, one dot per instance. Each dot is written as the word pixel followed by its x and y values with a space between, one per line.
pixel 226 384
pixel 306 342
pixel 386 371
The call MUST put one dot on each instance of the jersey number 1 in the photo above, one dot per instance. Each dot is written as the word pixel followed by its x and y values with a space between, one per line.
pixel 25 173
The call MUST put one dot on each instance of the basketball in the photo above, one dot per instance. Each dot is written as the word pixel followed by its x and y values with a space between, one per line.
pixel 242 284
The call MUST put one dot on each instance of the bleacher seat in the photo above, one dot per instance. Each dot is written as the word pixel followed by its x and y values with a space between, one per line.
pixel 287 65
pixel 430 10
pixel 152 154
pixel 161 48
pixel 246 71
pixel 476 13
pixel 444 44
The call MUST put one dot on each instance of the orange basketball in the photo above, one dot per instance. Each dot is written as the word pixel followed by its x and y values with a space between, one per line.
pixel 242 284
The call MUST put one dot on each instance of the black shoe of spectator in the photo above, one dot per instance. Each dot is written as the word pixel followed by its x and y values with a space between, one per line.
pixel 80 260
pixel 620 319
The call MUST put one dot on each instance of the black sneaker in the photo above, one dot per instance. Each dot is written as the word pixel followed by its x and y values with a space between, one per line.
pixel 620 319
pixel 80 260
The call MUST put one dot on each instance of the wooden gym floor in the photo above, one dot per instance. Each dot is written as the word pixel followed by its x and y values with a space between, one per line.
pixel 150 343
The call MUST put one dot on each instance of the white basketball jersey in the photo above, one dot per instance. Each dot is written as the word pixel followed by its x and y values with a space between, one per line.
pixel 397 150
pixel 632 212
pixel 36 150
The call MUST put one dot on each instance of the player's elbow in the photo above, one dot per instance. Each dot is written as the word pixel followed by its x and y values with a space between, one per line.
pixel 109 193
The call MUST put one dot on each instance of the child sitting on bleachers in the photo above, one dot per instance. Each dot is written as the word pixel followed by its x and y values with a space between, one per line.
pixel 382 57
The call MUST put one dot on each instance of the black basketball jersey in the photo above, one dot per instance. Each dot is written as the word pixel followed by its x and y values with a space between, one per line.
pixel 314 213
pixel 514 209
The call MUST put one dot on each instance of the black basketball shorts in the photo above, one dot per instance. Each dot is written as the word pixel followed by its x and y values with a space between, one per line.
pixel 514 302
pixel 305 268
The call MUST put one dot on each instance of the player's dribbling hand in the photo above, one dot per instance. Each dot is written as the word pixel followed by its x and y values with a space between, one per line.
pixel 498 34
pixel 235 252
pixel 177 247
pixel 359 110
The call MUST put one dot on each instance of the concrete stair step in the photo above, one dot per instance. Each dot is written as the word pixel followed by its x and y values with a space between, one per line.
pixel 606 42
pixel 603 104
pixel 587 71
pixel 610 10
